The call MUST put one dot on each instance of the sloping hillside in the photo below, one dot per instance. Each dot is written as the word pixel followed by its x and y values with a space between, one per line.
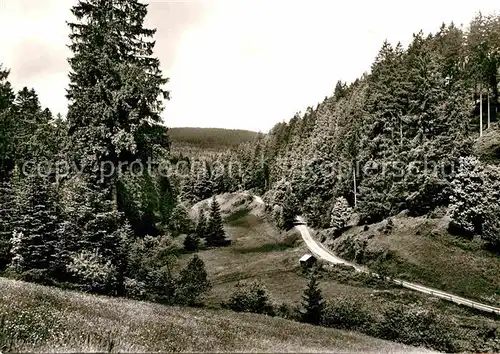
pixel 212 139
pixel 421 249
pixel 42 319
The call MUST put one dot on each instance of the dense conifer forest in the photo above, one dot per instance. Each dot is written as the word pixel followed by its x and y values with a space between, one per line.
pixel 209 138
pixel 398 138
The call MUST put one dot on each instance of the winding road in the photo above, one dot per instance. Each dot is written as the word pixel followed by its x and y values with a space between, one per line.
pixel 323 253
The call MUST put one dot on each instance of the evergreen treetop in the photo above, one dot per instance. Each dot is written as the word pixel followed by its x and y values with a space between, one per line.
pixel 116 87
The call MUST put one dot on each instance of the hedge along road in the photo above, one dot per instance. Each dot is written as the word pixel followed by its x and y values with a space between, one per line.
pixel 323 253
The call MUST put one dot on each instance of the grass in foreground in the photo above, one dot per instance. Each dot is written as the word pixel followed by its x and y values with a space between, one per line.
pixel 43 319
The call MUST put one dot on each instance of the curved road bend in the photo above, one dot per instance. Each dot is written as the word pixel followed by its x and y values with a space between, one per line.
pixel 323 253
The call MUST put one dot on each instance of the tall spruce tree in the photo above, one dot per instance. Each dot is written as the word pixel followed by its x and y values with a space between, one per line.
pixel 115 100
pixel 115 92
pixel 38 137
pixel 92 225
pixel 215 236
pixel 7 125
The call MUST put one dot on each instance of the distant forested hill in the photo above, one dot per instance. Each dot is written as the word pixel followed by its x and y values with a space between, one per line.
pixel 415 134
pixel 209 138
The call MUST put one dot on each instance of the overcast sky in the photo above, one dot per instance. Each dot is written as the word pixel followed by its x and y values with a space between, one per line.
pixel 237 63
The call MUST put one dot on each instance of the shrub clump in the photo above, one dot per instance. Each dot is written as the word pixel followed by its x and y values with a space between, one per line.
pixel 346 314
pixel 415 326
pixel 250 297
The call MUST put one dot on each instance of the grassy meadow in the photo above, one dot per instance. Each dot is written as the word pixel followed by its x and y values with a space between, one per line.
pixel 44 319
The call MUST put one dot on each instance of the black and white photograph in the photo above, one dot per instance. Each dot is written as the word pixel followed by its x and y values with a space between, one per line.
pixel 249 176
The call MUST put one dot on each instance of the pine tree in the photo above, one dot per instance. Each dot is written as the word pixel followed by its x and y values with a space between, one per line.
pixel 35 132
pixel 219 179
pixel 180 222
pixel 312 300
pixel 92 225
pixel 202 187
pixel 37 227
pixel 109 235
pixel 192 282
pixel 7 125
pixel 314 211
pixel 186 190
pixel 290 210
pixel 7 220
pixel 201 225
pixel 341 213
pixel 115 92
pixel 215 236
pixel 340 90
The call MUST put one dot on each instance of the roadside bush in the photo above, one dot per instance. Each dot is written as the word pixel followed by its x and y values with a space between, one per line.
pixel 347 249
pixel 383 263
pixel 250 297
pixel 491 228
pixel 345 313
pixel 291 239
pixel 416 326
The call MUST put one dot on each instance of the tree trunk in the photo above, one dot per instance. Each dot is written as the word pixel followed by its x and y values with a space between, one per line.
pixel 354 180
pixel 115 196
pixel 480 111
pixel 489 119
pixel 494 88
